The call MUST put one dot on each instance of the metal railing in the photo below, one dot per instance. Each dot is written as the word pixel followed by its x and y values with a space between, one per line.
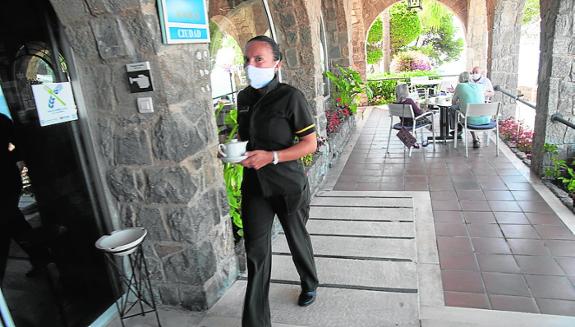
pixel 557 117
pixel 406 78
pixel 514 96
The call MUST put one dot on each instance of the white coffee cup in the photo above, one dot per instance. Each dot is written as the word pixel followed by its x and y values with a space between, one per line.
pixel 234 149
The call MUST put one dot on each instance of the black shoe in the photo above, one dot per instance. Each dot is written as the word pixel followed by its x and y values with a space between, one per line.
pixel 306 298
pixel 476 144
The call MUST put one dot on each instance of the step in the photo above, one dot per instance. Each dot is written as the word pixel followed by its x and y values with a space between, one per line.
pixel 361 228
pixel 350 273
pixel 334 307
pixel 361 201
pixel 355 247
pixel 359 213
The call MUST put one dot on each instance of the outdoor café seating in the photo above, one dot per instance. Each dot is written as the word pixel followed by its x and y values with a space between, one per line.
pixel 406 111
pixel 479 109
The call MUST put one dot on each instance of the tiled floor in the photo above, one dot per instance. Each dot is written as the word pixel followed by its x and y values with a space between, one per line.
pixel 501 246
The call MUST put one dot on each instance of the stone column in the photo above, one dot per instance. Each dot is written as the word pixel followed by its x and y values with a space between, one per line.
pixel 476 34
pixel 161 168
pixel 503 61
pixel 556 81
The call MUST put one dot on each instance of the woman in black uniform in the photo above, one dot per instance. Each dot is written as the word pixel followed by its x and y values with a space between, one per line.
pixel 271 116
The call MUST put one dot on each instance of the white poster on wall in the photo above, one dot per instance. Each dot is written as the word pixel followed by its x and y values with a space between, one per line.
pixel 55 103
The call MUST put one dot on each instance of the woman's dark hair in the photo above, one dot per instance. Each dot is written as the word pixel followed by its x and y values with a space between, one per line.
pixel 275 47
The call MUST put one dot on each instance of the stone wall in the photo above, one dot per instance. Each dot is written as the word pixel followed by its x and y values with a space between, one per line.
pixel 160 169
pixel 556 81
pixel 476 38
pixel 503 60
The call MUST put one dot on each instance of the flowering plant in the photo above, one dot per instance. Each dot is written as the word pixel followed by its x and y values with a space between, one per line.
pixel 512 130
pixel 410 60
pixel 348 87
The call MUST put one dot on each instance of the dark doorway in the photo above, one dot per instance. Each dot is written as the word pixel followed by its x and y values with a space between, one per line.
pixel 73 287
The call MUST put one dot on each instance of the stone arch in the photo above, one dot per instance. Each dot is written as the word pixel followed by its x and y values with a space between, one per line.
pixel 365 12
pixel 242 22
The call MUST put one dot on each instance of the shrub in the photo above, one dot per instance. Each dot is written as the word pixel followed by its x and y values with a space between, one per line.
pixel 409 61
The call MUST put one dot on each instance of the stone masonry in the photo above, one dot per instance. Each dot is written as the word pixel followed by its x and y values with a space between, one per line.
pixel 160 169
pixel 556 90
pixel 503 60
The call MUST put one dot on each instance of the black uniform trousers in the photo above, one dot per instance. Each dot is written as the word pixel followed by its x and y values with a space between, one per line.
pixel 13 225
pixel 258 215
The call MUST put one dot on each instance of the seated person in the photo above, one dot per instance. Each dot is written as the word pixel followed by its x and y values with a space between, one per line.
pixel 467 92
pixel 402 97
pixel 478 78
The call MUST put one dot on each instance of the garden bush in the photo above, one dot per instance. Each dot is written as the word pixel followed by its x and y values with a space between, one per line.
pixel 409 61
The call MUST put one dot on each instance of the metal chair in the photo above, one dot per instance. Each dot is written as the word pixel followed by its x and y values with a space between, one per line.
pixel 406 111
pixel 479 109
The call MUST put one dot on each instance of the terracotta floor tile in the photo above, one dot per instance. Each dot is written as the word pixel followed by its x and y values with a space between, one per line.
pixel 528 247
pixel 532 206
pixel 443 195
pixel 514 179
pixel 499 195
pixel 556 307
pixel 513 303
pixel 519 231
pixel 497 263
pixel 484 230
pixel 479 217
pixel 345 186
pixel 543 219
pixel 504 206
pixel 538 265
pixel 519 186
pixel 368 186
pixel 458 262
pixel 554 232
pixel 454 245
pixel 471 195
pixel 493 186
pixel 446 229
pixel 462 281
pixel 474 205
pixel 508 172
pixel 527 195
pixel 466 300
pixel 440 216
pixel 445 205
pixel 567 264
pixel 490 245
pixel 441 186
pixel 550 287
pixel 561 248
pixel 463 186
pixel 505 284
pixel 514 218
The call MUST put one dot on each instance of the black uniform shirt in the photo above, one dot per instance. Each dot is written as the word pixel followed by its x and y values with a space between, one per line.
pixel 270 119
pixel 10 182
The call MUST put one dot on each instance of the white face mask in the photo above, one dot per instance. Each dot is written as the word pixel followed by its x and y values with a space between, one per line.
pixel 260 77
pixel 476 76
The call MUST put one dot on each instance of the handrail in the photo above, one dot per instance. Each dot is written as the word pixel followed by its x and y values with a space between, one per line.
pixel 407 77
pixel 513 96
pixel 557 117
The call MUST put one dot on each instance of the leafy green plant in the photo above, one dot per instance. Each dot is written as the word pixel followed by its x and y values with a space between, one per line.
pixel 374 40
pixel 233 173
pixel 569 180
pixel 405 26
pixel 555 171
pixel 348 86
pixel 531 12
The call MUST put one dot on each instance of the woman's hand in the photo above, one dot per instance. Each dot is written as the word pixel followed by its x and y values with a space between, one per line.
pixel 257 159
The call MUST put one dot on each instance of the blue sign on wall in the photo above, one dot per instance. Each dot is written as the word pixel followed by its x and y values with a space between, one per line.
pixel 3 105
pixel 184 21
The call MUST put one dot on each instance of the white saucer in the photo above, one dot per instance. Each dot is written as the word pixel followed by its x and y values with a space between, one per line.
pixel 233 159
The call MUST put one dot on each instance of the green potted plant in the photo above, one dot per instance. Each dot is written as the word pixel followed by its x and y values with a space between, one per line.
pixel 348 87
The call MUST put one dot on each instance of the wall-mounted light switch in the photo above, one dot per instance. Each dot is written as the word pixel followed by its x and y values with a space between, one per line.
pixel 145 105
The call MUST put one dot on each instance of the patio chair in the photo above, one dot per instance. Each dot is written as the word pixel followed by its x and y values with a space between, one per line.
pixel 479 109
pixel 406 111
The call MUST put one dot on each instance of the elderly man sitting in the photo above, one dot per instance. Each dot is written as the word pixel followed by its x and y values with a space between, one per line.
pixel 478 78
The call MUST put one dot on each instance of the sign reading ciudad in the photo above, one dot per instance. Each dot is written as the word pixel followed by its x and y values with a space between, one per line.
pixel 55 103
pixel 184 21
